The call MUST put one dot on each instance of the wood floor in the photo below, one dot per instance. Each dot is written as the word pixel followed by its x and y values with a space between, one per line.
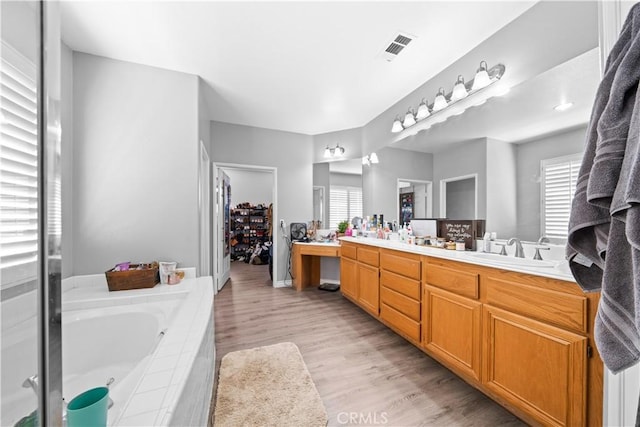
pixel 364 372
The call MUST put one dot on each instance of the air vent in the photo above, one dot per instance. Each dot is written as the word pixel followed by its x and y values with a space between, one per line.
pixel 400 41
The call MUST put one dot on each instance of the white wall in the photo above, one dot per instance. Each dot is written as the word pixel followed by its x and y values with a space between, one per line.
pixel 250 186
pixel 528 157
pixel 290 153
pixel 135 171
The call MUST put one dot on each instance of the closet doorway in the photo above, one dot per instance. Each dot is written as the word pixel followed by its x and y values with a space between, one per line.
pixel 243 230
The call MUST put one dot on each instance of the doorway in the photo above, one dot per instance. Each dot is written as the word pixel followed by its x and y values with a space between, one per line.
pixel 414 199
pixel 243 221
pixel 459 197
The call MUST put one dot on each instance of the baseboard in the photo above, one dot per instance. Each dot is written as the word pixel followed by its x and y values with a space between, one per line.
pixel 282 284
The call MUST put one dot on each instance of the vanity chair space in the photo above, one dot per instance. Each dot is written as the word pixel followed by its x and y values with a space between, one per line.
pixel 524 338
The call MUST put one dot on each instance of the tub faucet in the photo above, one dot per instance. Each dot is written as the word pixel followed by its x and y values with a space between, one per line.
pixel 31 382
pixel 519 249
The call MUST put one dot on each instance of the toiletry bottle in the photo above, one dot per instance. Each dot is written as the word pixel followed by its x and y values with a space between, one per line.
pixel 486 242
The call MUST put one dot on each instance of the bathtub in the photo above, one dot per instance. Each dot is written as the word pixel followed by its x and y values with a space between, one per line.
pixel 144 343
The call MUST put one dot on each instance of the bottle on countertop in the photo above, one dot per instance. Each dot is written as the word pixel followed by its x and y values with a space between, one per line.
pixel 486 242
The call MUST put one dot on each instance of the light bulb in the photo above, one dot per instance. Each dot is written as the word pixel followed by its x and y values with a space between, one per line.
pixel 482 78
pixel 409 119
pixel 339 151
pixel 440 102
pixel 397 125
pixel 374 158
pixel 423 110
pixel 365 160
pixel 459 90
pixel 327 153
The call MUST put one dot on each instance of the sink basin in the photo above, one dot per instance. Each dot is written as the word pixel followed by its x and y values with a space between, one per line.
pixel 511 260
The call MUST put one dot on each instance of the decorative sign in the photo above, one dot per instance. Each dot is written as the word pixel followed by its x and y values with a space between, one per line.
pixel 460 229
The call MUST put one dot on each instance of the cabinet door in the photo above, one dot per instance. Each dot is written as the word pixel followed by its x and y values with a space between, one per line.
pixel 369 288
pixel 349 277
pixel 452 329
pixel 536 367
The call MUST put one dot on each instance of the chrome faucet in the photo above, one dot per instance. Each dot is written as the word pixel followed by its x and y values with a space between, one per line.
pixel 519 250
pixel 543 239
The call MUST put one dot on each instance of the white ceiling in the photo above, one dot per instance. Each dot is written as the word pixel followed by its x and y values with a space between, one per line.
pixel 307 67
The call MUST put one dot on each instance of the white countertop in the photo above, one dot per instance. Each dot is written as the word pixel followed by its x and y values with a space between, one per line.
pixel 560 269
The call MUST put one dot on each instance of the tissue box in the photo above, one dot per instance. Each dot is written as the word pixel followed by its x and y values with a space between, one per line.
pixel 133 279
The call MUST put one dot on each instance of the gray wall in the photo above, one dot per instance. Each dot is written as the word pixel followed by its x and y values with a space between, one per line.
pixel 290 153
pixel 346 179
pixel 458 195
pixel 135 164
pixel 501 213
pixel 250 186
pixel 528 157
pixel 322 178
pixel 380 181
pixel 462 159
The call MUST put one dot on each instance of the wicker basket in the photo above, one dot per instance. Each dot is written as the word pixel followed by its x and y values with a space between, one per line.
pixel 132 278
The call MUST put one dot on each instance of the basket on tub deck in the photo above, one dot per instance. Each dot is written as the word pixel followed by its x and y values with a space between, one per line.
pixel 133 278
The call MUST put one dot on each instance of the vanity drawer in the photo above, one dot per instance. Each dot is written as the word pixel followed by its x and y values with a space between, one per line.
pixel 402 263
pixel 405 286
pixel 459 282
pixel 398 321
pixel 368 256
pixel 547 305
pixel 407 306
pixel 318 250
pixel 348 251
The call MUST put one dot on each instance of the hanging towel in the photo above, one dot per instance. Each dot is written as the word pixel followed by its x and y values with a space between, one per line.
pixel 603 247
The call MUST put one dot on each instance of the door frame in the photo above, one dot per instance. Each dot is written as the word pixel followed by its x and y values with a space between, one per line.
pixel 428 191
pixel 204 209
pixel 443 193
pixel 218 167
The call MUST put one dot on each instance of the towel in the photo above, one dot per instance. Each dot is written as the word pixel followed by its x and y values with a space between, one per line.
pixel 603 246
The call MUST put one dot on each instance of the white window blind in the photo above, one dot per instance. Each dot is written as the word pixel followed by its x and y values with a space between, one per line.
pixel 18 169
pixel 344 204
pixel 559 176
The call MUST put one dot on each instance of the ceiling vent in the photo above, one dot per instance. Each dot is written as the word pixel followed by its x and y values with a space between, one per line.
pixel 399 42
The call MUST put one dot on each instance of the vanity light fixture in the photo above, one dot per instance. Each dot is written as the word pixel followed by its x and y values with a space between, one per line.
pixel 370 159
pixel 563 107
pixel 397 125
pixel 331 153
pixel 482 77
pixel 459 90
pixel 440 103
pixel 462 96
pixel 423 110
pixel 409 119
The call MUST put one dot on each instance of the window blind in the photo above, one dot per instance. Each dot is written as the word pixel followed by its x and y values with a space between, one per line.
pixel 18 169
pixel 344 204
pixel 559 176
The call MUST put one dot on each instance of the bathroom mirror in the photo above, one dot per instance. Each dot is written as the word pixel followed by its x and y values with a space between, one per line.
pixel 344 175
pixel 503 141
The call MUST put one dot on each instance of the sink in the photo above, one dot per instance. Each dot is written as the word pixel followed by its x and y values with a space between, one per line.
pixel 511 260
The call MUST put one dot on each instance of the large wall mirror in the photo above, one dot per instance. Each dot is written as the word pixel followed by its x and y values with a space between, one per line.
pixel 340 183
pixel 502 144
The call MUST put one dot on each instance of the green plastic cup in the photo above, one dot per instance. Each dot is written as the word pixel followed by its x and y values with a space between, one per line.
pixel 89 409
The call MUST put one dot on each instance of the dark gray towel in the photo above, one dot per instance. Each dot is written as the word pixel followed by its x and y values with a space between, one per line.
pixel 604 229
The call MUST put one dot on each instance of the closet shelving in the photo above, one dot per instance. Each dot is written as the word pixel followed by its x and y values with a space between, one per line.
pixel 248 228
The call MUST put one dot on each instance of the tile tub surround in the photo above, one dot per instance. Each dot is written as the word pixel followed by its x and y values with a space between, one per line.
pixel 157 393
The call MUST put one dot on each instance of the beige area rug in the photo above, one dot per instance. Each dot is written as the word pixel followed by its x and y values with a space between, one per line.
pixel 267 386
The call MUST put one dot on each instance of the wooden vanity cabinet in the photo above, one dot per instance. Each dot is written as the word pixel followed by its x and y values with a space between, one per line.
pixel 348 271
pixel 524 340
pixel 400 296
pixel 359 276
